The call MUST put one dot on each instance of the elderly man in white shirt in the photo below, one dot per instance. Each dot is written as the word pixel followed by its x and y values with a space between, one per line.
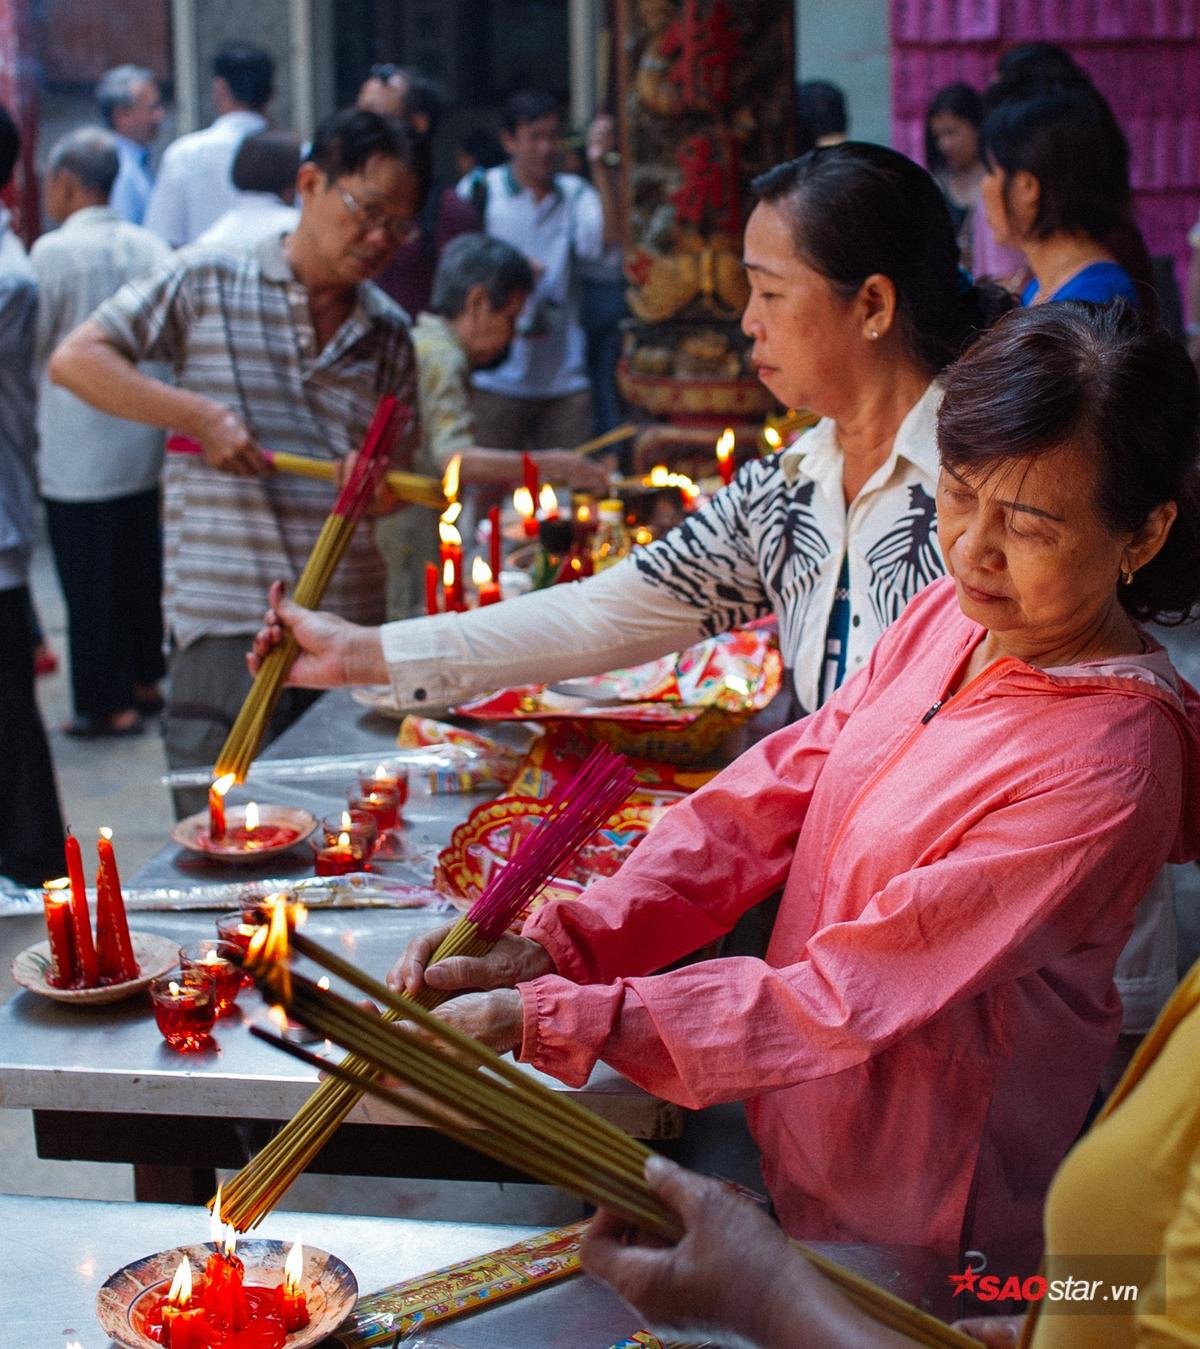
pixel 195 186
pixel 131 104
pixel 98 474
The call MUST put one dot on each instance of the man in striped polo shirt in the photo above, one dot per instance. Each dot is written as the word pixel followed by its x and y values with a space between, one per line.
pixel 282 344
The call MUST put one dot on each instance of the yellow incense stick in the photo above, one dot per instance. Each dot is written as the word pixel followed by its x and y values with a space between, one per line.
pixel 613 437
pixel 415 488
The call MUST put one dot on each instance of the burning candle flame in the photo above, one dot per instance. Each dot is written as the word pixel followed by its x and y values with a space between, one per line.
pixel 450 479
pixel 725 443
pixel 174 988
pixel 448 534
pixel 251 816
pixel 181 1285
pixel 278 1018
pixel 448 573
pixel 258 940
pixel 323 982
pixel 772 437
pixel 583 514
pixel 548 499
pixel 105 833
pixel 523 503
pixel 481 573
pixel 222 784
pixel 211 958
pixel 452 512
pixel 347 822
pixel 293 1268
pixel 59 883
pixel 381 772
pixel 659 475
pixel 343 840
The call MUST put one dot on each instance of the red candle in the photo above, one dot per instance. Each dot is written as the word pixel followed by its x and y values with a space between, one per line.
pixel 185 1007
pixel 385 779
pixel 56 899
pixel 482 578
pixel 185 1328
pixel 81 922
pixel 216 806
pixel 529 475
pixel 361 825
pixel 224 1296
pixel 383 803
pixel 495 556
pixel 431 588
pixel 221 960
pixel 291 1301
pixel 114 947
pixel 337 859
pixel 525 505
pixel 726 443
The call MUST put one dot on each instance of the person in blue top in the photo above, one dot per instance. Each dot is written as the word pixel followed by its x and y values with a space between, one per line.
pixel 1055 190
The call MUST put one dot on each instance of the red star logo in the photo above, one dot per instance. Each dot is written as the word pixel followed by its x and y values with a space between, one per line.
pixel 964 1282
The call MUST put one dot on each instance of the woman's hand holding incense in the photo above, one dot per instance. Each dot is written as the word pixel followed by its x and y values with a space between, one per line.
pixel 228 445
pixel 333 652
pixel 496 1019
pixel 727 1273
pixel 512 961
pixel 732 1271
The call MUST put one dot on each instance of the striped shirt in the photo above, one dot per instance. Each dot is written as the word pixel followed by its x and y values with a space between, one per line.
pixel 237 328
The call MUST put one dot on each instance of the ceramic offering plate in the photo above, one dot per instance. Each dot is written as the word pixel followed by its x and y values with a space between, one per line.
pixel 279 828
pixel 154 954
pixel 128 1298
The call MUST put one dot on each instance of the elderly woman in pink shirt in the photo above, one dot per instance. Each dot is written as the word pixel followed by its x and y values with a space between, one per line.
pixel 961 833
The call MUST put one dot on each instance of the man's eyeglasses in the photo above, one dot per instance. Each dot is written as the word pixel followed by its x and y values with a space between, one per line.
pixel 398 229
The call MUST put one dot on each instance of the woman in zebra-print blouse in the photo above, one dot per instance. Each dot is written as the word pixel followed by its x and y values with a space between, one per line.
pixel 857 303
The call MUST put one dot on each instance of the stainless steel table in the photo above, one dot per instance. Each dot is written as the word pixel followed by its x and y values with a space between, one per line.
pixel 103 1086
pixel 55 1254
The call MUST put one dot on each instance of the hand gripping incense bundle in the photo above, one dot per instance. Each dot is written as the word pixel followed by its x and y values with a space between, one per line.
pixel 476 1097
pixel 246 734
pixel 603 782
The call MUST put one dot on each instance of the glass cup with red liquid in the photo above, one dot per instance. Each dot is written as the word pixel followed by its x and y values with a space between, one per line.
pixel 224 961
pixel 185 1008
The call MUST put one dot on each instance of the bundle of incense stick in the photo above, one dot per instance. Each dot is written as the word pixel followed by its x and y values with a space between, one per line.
pixel 602 783
pixel 477 1098
pixel 246 734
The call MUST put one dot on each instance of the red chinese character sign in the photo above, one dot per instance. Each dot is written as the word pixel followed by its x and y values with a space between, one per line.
pixel 706 101
pixel 705 47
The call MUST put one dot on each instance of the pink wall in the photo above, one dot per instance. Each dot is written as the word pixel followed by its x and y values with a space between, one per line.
pixel 1144 56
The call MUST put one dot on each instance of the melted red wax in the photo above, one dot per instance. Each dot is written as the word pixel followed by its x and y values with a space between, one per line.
pixel 265 1331
pixel 241 839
